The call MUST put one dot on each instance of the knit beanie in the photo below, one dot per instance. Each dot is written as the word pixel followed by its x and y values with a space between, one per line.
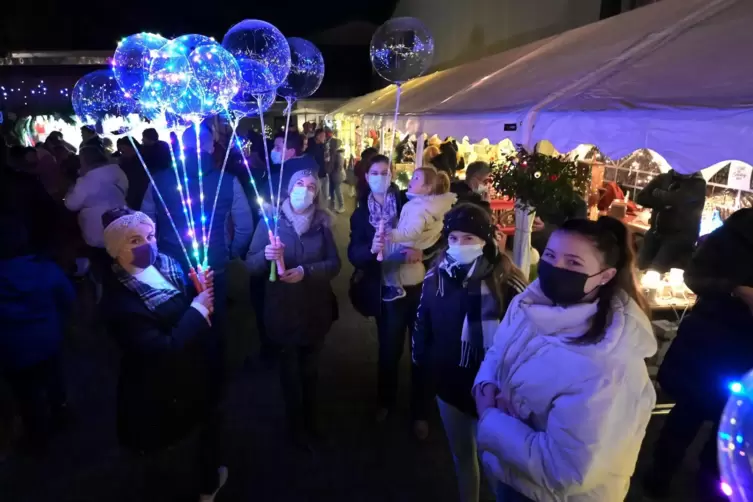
pixel 301 174
pixel 117 223
pixel 472 219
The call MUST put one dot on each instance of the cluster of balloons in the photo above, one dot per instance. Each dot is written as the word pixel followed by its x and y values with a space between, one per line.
pixel 192 76
pixel 401 49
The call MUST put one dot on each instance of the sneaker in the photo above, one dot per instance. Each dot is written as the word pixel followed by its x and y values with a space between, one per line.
pixel 421 429
pixel 392 293
pixel 340 210
pixel 223 474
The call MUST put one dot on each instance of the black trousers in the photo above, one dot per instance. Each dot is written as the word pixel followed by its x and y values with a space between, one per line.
pixel 39 393
pixel 683 423
pixel 663 252
pixel 394 324
pixel 299 371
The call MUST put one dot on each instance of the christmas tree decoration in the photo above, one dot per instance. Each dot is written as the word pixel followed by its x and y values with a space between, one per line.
pixel 538 183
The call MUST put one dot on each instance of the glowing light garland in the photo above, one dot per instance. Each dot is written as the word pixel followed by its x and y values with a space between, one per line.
pixel 282 164
pixel 219 184
pixel 182 194
pixel 192 226
pixel 202 217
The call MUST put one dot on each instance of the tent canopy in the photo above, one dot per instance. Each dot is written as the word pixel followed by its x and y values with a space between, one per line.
pixel 671 77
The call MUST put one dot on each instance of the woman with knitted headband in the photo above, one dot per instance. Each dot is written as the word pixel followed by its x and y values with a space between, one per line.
pixel 300 307
pixel 168 387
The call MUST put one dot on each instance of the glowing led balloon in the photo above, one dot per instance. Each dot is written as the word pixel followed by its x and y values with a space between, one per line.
pixel 98 94
pixel 170 72
pixel 245 104
pixel 401 49
pixel 735 442
pixel 214 80
pixel 132 60
pixel 306 70
pixel 265 51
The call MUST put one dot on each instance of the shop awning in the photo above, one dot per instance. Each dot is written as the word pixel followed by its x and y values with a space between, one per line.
pixel 673 77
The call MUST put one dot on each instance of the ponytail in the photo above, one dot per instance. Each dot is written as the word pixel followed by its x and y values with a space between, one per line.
pixel 613 239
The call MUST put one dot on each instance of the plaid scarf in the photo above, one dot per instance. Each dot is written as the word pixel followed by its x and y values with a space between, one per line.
pixel 386 212
pixel 153 298
pixel 483 311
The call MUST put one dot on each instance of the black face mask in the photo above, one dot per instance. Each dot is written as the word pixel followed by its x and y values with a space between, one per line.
pixel 562 286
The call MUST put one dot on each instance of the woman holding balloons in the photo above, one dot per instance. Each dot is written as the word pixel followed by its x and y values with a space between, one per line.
pixel 305 244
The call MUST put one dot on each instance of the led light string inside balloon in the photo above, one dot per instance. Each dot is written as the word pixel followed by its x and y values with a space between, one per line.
pixel 181 193
pixel 192 272
pixel 275 266
pixel 219 184
pixel 282 164
pixel 202 217
pixel 260 201
pixel 192 227
pixel 380 256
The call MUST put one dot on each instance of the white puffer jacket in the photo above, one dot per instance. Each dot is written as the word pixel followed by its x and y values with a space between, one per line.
pixel 95 192
pixel 577 413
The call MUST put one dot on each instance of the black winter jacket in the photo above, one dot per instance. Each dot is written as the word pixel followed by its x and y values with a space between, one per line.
pixel 677 203
pixel 436 337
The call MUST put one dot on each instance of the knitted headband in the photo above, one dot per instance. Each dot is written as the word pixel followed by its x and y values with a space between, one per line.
pixel 301 174
pixel 116 232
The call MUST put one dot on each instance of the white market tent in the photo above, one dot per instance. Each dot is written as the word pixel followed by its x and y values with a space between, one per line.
pixel 674 77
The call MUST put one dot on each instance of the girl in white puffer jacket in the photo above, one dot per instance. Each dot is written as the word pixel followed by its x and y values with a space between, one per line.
pixel 564 396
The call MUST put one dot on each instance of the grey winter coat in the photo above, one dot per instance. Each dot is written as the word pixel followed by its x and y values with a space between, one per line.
pixel 300 313
pixel 338 166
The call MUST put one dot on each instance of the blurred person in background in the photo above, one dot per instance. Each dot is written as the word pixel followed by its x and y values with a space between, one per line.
pixel 676 201
pixel 36 301
pixel 475 187
pixel 713 348
pixel 337 176
pixel 138 181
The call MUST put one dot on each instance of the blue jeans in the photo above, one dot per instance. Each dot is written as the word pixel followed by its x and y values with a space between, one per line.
pixel 507 494
pixel 461 434
pixel 336 194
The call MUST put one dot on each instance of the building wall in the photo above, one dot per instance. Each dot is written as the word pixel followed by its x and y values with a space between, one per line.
pixel 465 30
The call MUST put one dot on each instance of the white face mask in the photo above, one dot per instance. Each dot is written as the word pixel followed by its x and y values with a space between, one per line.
pixel 482 188
pixel 275 157
pixel 379 184
pixel 301 198
pixel 465 254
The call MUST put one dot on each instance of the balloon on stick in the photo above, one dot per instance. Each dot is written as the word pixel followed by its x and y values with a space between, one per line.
pixel 306 70
pixel 245 102
pixel 735 442
pixel 264 50
pixel 132 59
pixel 401 49
pixel 97 94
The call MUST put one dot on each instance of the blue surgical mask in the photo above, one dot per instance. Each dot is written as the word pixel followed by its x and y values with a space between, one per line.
pixel 275 157
pixel 379 184
pixel 465 254
pixel 301 198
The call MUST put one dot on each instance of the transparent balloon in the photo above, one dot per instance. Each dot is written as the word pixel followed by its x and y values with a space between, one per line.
pixel 98 94
pixel 735 442
pixel 401 49
pixel 244 103
pixel 214 80
pixel 132 60
pixel 306 70
pixel 170 72
pixel 265 50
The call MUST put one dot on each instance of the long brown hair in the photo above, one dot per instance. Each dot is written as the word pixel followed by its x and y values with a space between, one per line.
pixel 615 242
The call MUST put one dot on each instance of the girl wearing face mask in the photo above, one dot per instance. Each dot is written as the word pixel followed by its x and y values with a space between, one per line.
pixel 378 208
pixel 563 395
pixel 168 388
pixel 465 295
pixel 300 307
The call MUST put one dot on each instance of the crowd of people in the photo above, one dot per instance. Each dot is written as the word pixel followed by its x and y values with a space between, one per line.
pixel 541 386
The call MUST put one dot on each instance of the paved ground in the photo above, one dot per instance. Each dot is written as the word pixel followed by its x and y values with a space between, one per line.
pixel 360 461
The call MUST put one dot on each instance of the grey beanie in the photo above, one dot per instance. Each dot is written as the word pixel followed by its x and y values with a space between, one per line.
pixel 302 174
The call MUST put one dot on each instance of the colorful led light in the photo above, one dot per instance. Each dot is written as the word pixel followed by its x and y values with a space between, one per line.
pixel 182 194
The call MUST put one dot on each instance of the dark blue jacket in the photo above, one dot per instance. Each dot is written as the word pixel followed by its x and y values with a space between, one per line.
pixel 35 301
pixel 231 201
pixel 436 337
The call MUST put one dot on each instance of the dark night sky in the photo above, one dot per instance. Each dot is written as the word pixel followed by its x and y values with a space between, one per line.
pixel 97 25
